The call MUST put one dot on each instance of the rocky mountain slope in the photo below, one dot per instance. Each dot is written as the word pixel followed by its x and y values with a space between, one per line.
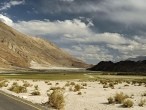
pixel 122 66
pixel 20 50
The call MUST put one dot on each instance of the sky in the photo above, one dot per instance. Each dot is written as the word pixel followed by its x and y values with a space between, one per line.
pixel 92 30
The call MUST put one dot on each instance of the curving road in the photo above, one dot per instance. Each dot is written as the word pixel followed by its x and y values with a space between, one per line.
pixel 8 102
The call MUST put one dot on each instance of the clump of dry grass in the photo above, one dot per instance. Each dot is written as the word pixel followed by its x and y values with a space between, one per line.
pixel 35 93
pixel 49 83
pixel 142 102
pixel 111 100
pixel 67 84
pixel 105 86
pixel 54 88
pixel 18 89
pixel 3 84
pixel 72 83
pixel 27 84
pixel 77 87
pixel 56 99
pixel 84 84
pixel 120 97
pixel 36 87
pixel 111 85
pixel 127 103
pixel 79 93
pixel 144 94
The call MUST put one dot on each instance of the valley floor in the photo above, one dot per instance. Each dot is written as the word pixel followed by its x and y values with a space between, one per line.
pixel 92 95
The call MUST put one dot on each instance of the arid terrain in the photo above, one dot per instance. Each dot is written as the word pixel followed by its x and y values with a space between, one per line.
pixel 106 93
pixel 18 50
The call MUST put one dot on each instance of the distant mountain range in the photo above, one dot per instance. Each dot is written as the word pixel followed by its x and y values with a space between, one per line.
pixel 20 50
pixel 121 66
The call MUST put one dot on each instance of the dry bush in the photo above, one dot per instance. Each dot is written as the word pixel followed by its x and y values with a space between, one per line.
pixel 72 83
pixel 49 83
pixel 126 85
pixel 57 83
pixel 36 87
pixel 54 88
pixel 56 99
pixel 111 85
pixel 15 83
pixel 71 89
pixel 120 97
pixel 46 82
pixel 67 84
pixel 35 92
pixel 144 94
pixel 26 84
pixel 142 102
pixel 105 86
pixel 79 93
pixel 18 89
pixel 3 84
pixel 77 87
pixel 127 103
pixel 111 100
pixel 84 84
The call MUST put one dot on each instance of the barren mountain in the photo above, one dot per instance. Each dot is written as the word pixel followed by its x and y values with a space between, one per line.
pixel 20 50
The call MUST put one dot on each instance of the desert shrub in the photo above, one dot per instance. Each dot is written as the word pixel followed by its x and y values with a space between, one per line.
pixel 56 99
pixel 111 100
pixel 57 83
pixel 128 82
pixel 49 83
pixel 142 102
pixel 126 85
pixel 36 87
pixel 46 82
pixel 15 83
pixel 70 89
pixel 35 92
pixel 127 103
pixel 144 94
pixel 67 84
pixel 111 85
pixel 54 88
pixel 26 84
pixel 79 93
pixel 77 87
pixel 84 84
pixel 105 86
pixel 3 84
pixel 72 83
pixel 18 89
pixel 103 82
pixel 120 97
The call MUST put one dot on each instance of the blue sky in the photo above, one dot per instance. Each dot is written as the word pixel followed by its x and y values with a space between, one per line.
pixel 93 30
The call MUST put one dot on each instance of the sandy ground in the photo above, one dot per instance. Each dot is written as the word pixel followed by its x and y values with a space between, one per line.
pixel 93 97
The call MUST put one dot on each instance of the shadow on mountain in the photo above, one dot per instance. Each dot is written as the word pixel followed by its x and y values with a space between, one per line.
pixel 122 66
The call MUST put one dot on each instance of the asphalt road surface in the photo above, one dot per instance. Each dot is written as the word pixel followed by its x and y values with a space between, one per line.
pixel 8 102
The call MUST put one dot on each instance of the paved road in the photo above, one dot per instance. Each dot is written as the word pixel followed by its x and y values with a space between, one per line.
pixel 8 102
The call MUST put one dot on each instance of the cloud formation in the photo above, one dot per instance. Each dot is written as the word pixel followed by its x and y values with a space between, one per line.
pixel 6 20
pixel 7 5
pixel 78 38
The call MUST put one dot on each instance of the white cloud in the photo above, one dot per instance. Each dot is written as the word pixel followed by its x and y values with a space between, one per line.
pixel 6 20
pixel 88 47
pixel 77 37
pixel 11 3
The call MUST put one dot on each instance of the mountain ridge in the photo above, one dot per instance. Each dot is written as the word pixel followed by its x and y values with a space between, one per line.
pixel 19 50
